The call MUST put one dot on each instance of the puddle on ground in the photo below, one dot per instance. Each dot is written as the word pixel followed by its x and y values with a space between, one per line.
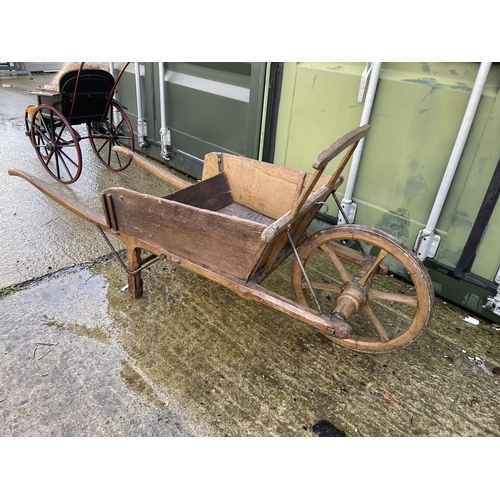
pixel 62 371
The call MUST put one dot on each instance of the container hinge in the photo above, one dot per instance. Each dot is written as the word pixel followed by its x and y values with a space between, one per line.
pixel 493 303
pixel 142 132
pixel 426 244
pixel 166 141
pixel 219 162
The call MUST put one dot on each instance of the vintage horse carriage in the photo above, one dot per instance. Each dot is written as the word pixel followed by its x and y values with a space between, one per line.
pixel 83 96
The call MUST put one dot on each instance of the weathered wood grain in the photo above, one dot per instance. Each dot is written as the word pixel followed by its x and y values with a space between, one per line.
pixel 217 241
pixel 211 194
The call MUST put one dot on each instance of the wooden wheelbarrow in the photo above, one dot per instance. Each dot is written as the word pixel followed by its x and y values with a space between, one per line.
pixel 244 219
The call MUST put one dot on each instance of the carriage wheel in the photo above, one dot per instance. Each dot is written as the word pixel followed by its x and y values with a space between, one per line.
pixel 115 129
pixel 28 119
pixel 56 144
pixel 356 288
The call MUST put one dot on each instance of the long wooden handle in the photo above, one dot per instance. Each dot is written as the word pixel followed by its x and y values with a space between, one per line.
pixel 338 146
pixel 165 176
pixel 66 201
pixel 350 139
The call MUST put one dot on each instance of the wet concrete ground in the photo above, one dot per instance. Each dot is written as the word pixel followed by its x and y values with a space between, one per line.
pixel 79 357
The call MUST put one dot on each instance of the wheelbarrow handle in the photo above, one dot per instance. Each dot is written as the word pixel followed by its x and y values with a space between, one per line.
pixel 338 146
pixel 64 200
pixel 170 179
pixel 350 139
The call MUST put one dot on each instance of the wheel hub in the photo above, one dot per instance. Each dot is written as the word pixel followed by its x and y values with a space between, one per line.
pixel 353 296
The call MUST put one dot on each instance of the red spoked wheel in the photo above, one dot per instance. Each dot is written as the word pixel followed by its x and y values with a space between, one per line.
pixel 56 143
pixel 114 130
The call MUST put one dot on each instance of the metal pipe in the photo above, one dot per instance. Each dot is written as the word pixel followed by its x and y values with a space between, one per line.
pixel 427 241
pixel 348 206
pixel 164 131
pixel 116 114
pixel 264 111
pixel 141 122
pixel 456 154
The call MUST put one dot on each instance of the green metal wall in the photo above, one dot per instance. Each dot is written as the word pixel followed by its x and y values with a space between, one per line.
pixel 416 115
pixel 210 107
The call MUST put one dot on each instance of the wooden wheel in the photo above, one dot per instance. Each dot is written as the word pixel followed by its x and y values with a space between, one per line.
pixel 115 129
pixel 355 287
pixel 55 143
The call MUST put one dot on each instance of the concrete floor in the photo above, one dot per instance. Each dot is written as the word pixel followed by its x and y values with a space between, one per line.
pixel 79 357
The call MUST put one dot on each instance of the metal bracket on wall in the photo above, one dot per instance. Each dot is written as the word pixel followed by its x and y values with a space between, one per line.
pixel 347 212
pixel 142 132
pixel 426 244
pixel 493 303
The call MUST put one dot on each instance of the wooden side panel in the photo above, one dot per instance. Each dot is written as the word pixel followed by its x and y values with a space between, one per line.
pixel 263 187
pixel 219 242
pixel 212 194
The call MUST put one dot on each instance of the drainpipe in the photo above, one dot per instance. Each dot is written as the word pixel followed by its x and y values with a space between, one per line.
pixel 427 240
pixel 372 71
pixel 264 111
pixel 164 131
pixel 116 114
pixel 141 122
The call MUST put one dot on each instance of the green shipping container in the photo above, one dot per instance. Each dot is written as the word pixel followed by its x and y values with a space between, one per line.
pixel 287 113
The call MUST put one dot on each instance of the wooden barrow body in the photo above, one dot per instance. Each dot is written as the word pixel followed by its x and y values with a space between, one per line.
pixel 234 227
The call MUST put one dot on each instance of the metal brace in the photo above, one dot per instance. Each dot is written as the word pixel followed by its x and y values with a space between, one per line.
pixel 426 245
pixel 150 261
pixel 493 303
pixel 309 284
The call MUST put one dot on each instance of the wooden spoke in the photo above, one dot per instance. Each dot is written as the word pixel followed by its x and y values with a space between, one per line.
pixel 346 276
pixel 368 274
pixel 56 144
pixel 384 336
pixel 318 285
pixel 114 130
pixel 393 297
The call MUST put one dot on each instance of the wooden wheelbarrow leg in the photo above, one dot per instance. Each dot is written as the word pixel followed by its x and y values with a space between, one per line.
pixel 135 287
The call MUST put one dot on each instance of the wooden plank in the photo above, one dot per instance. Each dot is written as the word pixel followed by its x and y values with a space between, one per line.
pixel 63 199
pixel 220 242
pixel 211 194
pixel 283 222
pixel 263 187
pixel 242 212
pixel 165 176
